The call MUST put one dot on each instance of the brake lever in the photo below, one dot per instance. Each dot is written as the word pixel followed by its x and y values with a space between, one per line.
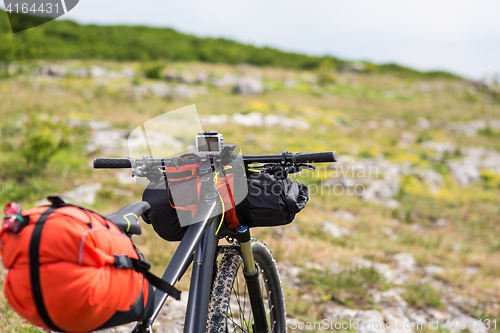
pixel 299 167
pixel 138 173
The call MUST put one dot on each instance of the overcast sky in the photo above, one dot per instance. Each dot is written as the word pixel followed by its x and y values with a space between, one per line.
pixel 455 35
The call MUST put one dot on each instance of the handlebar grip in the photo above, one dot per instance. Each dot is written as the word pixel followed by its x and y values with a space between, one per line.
pixel 315 157
pixel 112 163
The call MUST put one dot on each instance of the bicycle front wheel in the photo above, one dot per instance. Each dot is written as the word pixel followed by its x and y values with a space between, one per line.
pixel 229 308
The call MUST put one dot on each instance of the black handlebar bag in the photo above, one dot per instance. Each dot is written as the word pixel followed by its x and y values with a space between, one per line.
pixel 270 202
pixel 162 215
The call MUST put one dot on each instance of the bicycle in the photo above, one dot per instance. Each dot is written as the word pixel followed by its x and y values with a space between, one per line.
pixel 233 287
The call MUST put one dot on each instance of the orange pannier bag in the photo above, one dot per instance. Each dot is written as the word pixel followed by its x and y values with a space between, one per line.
pixel 64 272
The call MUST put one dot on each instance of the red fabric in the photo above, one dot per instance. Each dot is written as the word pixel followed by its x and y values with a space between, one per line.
pixel 224 185
pixel 226 191
pixel 81 287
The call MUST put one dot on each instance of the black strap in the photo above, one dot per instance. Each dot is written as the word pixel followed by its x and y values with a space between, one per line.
pixel 142 266
pixel 35 269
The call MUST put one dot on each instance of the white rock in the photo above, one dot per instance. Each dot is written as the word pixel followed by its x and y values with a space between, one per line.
pixel 313 265
pixel 389 233
pixel 128 73
pixel 370 321
pixel 257 119
pixel 345 215
pixel 388 123
pixel 202 78
pixel 336 313
pixel 84 194
pixel 442 223
pixel 423 123
pixel 397 321
pixel 405 262
pixel 393 276
pixel 183 91
pixel 391 203
pixel 472 270
pixel 439 147
pixel 108 141
pixel 407 138
pixel 251 119
pixel 336 231
pixel 226 82
pixel 160 89
pixel 433 179
pixel 433 270
pixel 290 274
pixel 96 72
pixel 248 85
pixel 124 177
pixel 214 119
pixel 389 298
pixel 465 171
pixel 187 78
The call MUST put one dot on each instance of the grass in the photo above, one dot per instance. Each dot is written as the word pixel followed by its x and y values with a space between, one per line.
pixel 422 295
pixel 350 287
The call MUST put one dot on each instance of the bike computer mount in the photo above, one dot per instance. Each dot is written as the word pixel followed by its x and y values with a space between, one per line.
pixel 209 143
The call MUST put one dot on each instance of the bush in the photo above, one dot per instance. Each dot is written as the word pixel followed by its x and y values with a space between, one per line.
pixel 153 70
pixel 326 72
pixel 490 178
pixel 31 145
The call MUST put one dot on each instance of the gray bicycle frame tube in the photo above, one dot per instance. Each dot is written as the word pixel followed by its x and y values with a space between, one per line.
pixel 180 262
pixel 201 282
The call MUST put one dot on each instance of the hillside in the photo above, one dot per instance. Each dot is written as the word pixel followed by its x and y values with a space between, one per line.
pixel 64 39
pixel 403 228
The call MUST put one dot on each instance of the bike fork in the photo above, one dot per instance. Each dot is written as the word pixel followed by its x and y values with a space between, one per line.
pixel 251 273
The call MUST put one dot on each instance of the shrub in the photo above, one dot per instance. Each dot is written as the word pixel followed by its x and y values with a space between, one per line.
pixel 30 146
pixel 490 178
pixel 153 70
pixel 326 72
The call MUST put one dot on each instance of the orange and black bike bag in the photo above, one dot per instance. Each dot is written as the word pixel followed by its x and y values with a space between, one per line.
pixel 63 273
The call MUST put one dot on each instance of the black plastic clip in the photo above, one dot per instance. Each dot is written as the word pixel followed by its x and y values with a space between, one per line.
pixel 123 261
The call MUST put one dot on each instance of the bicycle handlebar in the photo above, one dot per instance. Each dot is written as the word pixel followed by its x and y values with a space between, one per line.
pixel 313 157
pixel 112 163
pixel 295 158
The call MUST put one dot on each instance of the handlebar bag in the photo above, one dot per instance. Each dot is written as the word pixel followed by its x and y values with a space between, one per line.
pixel 63 273
pixel 162 215
pixel 270 202
pixel 173 197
